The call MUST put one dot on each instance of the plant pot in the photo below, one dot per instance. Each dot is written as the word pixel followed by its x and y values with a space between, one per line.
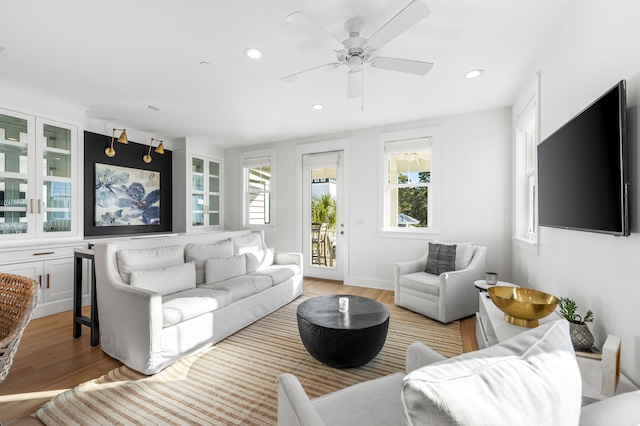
pixel 581 337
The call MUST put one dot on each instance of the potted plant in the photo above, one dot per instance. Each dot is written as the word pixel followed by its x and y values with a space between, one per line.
pixel 581 337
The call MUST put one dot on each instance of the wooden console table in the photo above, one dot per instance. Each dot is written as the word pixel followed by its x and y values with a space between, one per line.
pixel 491 329
pixel 78 319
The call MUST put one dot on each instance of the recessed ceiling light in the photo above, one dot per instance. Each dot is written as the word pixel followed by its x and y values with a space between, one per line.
pixel 317 107
pixel 153 108
pixel 205 64
pixel 253 53
pixel 1 49
pixel 473 74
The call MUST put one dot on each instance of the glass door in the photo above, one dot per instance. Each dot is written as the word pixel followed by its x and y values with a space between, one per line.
pixel 16 170
pixel 322 216
pixel 205 193
pixel 54 205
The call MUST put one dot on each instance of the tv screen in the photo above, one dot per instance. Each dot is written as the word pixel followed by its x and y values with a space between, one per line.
pixel 582 171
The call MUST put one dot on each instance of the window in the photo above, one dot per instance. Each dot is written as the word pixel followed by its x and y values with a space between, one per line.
pixel 526 140
pixel 409 178
pixel 258 188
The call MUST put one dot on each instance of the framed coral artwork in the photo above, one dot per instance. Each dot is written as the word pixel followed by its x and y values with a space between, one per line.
pixel 126 197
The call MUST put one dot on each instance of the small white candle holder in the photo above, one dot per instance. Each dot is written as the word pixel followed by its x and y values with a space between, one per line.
pixel 343 304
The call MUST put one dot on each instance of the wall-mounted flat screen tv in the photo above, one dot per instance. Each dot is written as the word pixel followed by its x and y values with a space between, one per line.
pixel 582 169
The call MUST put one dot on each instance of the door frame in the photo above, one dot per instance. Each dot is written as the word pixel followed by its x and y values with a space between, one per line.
pixel 319 148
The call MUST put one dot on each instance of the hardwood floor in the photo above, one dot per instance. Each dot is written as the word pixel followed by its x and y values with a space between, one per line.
pixel 49 360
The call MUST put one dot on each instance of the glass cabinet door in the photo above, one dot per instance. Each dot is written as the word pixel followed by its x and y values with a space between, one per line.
pixel 205 193
pixel 213 208
pixel 55 204
pixel 15 198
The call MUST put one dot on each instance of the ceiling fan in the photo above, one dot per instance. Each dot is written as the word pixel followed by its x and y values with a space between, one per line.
pixel 356 51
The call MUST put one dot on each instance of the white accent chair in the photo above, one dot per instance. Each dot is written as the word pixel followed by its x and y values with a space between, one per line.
pixel 446 297
pixel 530 379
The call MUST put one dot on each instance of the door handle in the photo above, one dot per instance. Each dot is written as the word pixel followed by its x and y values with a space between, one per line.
pixel 48 281
pixel 30 205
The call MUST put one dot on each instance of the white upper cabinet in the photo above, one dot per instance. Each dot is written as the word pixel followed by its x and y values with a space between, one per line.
pixel 38 177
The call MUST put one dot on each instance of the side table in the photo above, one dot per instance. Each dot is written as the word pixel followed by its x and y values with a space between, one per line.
pixel 491 328
pixel 78 319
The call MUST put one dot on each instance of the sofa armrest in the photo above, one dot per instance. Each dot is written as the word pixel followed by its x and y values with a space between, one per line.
pixel 294 406
pixel 622 410
pixel 420 355
pixel 288 259
pixel 130 317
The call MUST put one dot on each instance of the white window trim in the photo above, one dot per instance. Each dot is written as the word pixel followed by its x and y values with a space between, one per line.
pixel 434 188
pixel 271 154
pixel 527 104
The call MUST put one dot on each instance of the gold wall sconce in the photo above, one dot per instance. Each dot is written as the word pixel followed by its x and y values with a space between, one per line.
pixel 159 149
pixel 110 150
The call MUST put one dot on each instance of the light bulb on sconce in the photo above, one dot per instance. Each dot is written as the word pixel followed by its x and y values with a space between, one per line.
pixel 110 150
pixel 159 149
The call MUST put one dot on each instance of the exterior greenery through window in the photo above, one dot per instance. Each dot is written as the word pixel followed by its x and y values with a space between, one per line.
pixel 408 183
pixel 323 210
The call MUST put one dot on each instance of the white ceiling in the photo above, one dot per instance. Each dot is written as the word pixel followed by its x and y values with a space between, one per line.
pixel 117 57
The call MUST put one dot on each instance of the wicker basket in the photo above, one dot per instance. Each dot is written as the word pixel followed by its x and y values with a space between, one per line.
pixel 18 299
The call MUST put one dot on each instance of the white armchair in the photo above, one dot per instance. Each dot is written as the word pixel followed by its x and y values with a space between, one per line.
pixel 445 297
pixel 530 379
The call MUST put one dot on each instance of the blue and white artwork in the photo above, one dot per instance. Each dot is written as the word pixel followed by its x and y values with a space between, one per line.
pixel 126 197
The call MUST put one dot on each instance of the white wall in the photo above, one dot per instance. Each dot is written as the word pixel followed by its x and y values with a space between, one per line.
pixel 475 201
pixel 597 46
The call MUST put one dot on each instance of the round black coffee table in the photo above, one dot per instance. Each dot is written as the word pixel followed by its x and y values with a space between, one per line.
pixel 343 340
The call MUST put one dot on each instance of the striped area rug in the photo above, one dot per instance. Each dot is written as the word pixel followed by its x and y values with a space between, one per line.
pixel 234 381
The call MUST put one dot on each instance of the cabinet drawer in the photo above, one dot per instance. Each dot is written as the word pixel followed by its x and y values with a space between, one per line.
pixel 35 254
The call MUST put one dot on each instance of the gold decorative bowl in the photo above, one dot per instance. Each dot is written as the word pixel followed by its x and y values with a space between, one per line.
pixel 522 306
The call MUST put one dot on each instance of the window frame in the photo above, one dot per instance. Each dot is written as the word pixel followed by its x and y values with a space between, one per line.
pixel 263 157
pixel 526 138
pixel 385 230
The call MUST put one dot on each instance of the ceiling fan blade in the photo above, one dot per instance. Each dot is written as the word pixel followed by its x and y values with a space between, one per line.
pixel 354 83
pixel 300 20
pixel 402 65
pixel 294 77
pixel 405 19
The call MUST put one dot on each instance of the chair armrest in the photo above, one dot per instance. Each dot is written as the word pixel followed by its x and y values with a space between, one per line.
pixel 411 266
pixel 294 406
pixel 420 355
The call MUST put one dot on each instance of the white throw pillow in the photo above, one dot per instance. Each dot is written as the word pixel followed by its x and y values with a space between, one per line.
pixel 520 381
pixel 464 253
pixel 130 260
pixel 260 259
pixel 167 280
pixel 223 268
pixel 247 243
pixel 199 253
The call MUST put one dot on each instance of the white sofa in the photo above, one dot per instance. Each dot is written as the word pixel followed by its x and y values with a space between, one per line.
pixel 530 379
pixel 161 299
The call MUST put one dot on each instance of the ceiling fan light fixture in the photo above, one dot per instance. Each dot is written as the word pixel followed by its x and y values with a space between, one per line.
pixel 469 75
pixel 253 52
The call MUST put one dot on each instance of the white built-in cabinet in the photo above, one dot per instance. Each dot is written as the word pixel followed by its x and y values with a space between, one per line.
pixel 39 214
pixel 205 193
pixel 198 188
pixel 38 177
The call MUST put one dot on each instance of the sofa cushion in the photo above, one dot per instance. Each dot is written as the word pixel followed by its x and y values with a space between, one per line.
pixel 441 258
pixel 199 253
pixel 278 273
pixel 167 280
pixel 259 259
pixel 464 253
pixel 422 282
pixel 150 258
pixel 242 286
pixel 223 268
pixel 184 305
pixel 522 380
pixel 247 243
